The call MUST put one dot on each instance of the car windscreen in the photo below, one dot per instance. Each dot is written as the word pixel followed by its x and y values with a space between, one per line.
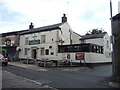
pixel 1 56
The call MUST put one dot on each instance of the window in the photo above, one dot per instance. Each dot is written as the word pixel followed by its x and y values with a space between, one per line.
pixel 52 53
pixel 52 39
pixel 80 48
pixel 47 52
pixel 43 38
pixel 97 49
pixel 107 43
pixel 42 50
pixel 26 50
pixel 26 41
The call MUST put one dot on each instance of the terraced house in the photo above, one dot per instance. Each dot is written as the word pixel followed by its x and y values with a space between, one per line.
pixel 9 42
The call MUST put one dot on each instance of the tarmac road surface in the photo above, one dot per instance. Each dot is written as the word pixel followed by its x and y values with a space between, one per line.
pixel 65 77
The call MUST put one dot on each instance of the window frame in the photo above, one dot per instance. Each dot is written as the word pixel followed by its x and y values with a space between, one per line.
pixel 43 38
pixel 26 41
pixel 42 51
pixel 26 51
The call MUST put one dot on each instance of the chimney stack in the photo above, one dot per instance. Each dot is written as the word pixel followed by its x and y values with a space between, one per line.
pixel 31 26
pixel 64 18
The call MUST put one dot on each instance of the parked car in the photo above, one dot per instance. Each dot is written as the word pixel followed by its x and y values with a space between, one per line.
pixel 3 60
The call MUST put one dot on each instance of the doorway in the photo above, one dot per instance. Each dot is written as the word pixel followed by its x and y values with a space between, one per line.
pixel 34 53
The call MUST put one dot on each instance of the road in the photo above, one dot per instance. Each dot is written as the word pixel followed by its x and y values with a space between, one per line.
pixel 67 77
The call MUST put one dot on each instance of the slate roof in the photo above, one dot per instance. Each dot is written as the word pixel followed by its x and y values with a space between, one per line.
pixel 42 29
pixel 116 17
pixel 93 36
pixel 12 33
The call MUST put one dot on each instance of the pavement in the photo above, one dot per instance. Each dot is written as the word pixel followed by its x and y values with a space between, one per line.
pixel 37 68
pixel 33 84
pixel 10 80
pixel 28 66
pixel 114 84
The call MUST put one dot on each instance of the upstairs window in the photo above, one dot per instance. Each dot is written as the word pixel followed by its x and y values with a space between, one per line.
pixel 43 38
pixel 26 41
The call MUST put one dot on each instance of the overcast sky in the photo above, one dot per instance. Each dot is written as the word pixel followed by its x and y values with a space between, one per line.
pixel 83 15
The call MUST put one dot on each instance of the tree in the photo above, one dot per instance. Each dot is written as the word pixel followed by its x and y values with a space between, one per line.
pixel 95 31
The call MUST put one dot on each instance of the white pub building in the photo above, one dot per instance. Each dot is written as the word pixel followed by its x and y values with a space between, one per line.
pixel 38 43
pixel 58 42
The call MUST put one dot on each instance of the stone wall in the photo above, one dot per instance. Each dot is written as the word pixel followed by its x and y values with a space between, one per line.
pixel 116 33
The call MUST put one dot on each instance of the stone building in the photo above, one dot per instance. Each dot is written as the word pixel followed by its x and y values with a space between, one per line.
pixel 116 34
pixel 9 42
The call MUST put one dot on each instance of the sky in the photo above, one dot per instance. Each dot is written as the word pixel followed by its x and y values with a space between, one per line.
pixel 82 15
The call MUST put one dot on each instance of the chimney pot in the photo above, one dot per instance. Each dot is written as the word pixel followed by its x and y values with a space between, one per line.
pixel 31 26
pixel 64 18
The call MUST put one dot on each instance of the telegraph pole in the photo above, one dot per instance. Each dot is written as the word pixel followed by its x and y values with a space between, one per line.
pixel 112 39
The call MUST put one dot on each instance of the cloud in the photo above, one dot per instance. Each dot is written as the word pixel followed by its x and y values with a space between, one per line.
pixel 83 15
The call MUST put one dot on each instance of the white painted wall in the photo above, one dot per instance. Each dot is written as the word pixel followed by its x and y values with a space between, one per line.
pixel 54 35
pixel 75 38
pixel 102 42
pixel 106 43
pixel 107 46
pixel 89 57
pixel 65 35
pixel 67 31
pixel 98 41
pixel 49 36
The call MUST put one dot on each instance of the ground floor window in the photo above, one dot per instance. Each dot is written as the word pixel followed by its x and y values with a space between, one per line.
pixel 47 52
pixel 26 50
pixel 52 53
pixel 42 50
pixel 86 47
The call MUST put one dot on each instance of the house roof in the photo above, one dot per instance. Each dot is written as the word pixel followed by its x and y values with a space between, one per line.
pixel 34 30
pixel 93 36
pixel 116 17
pixel 42 29
pixel 12 33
